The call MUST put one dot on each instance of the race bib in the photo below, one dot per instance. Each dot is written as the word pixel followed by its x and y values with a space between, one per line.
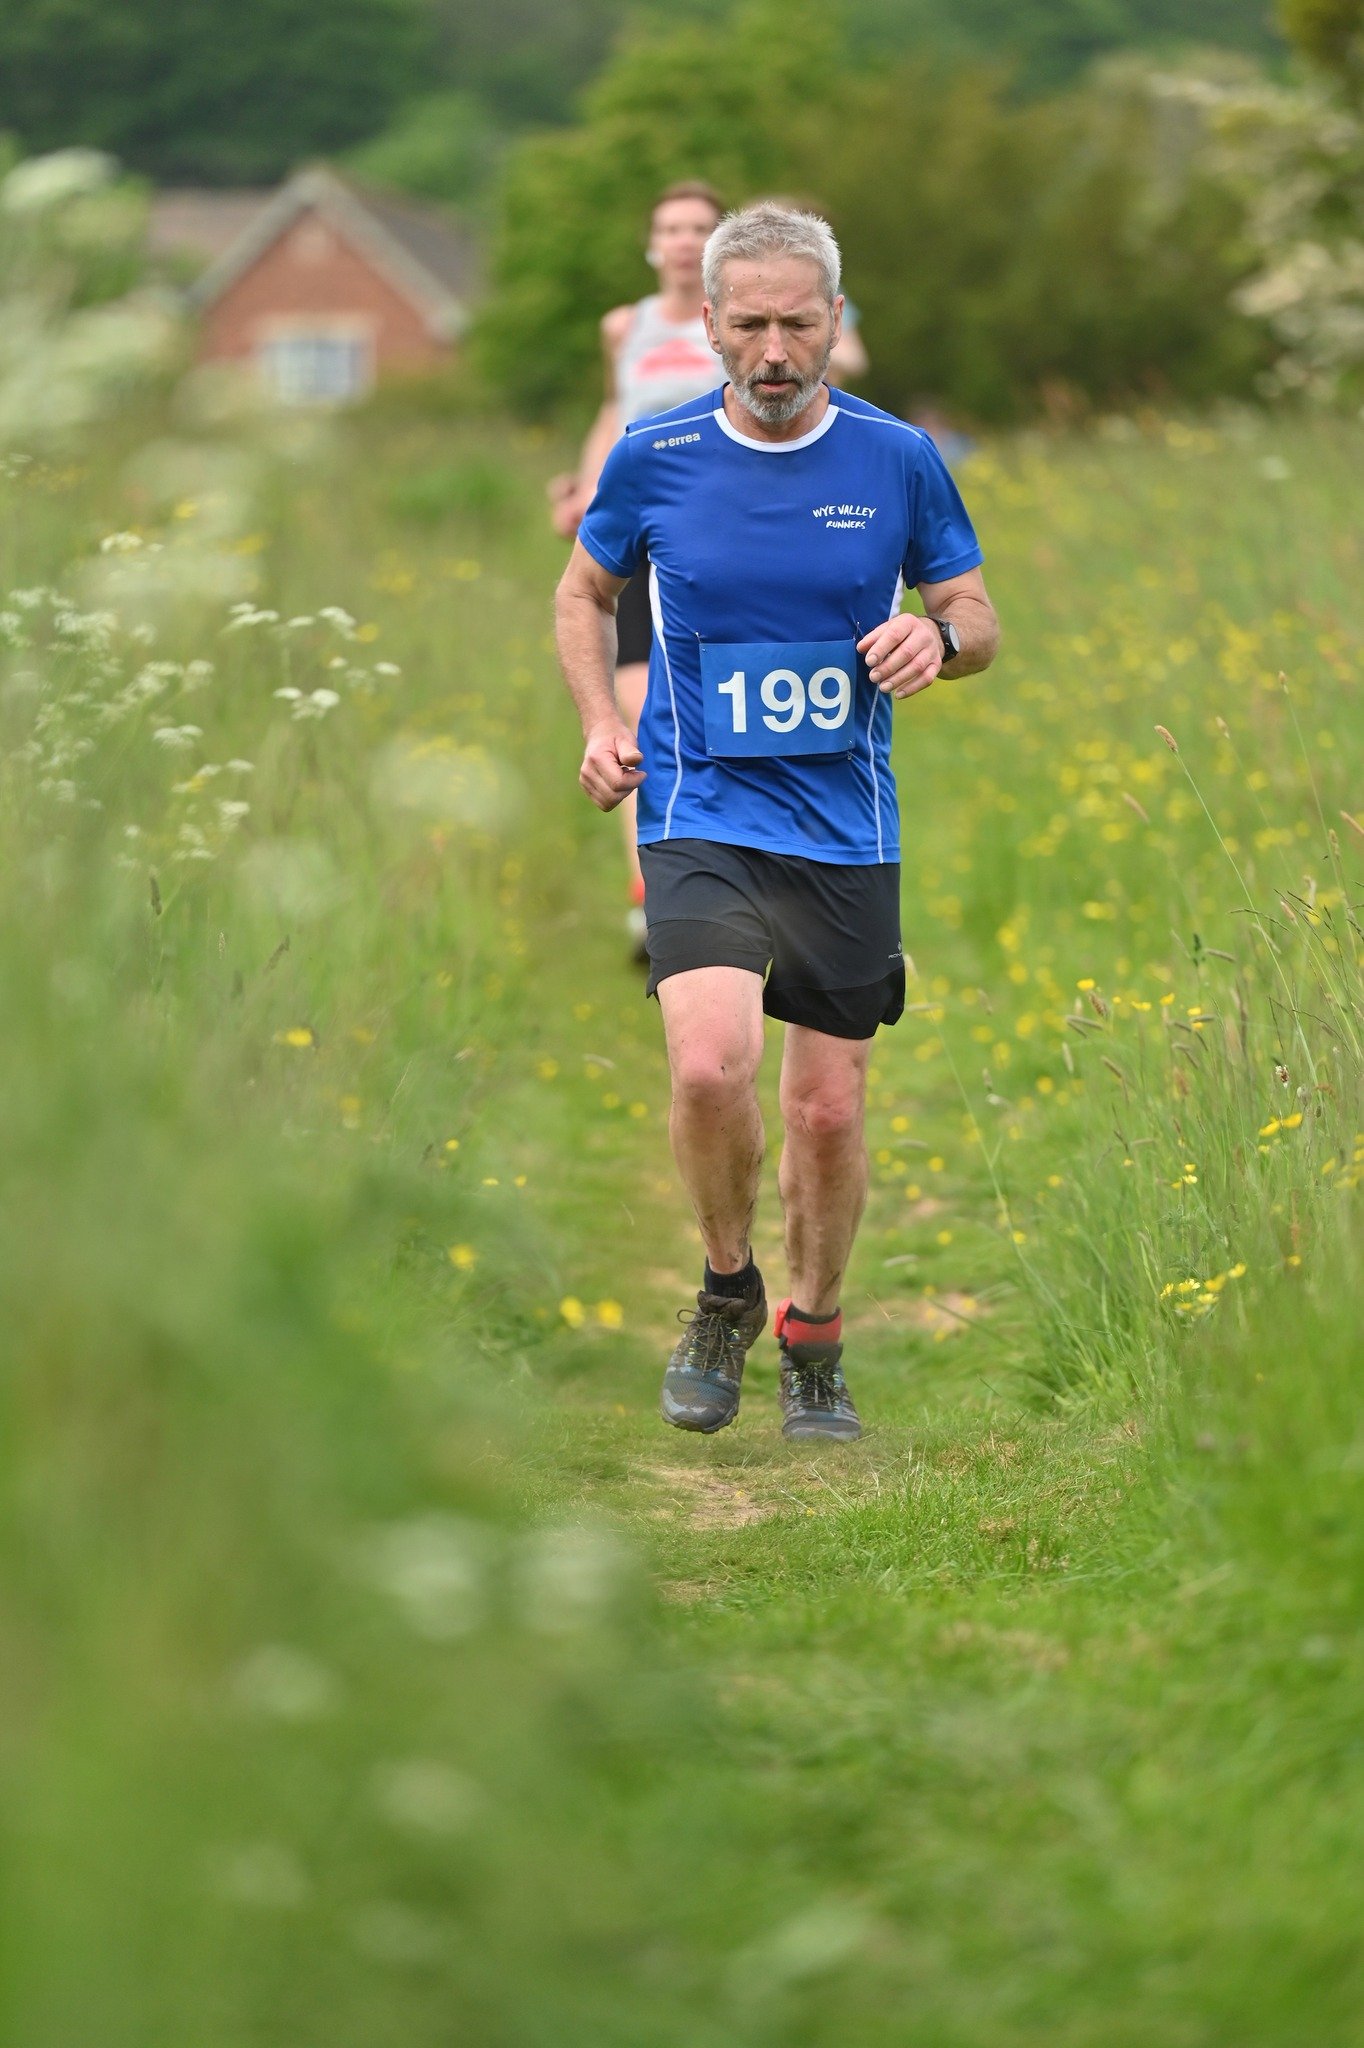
pixel 779 702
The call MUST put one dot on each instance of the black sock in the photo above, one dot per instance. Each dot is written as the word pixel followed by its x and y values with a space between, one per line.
pixel 739 1286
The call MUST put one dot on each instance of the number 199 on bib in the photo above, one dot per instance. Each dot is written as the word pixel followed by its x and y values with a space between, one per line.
pixel 771 701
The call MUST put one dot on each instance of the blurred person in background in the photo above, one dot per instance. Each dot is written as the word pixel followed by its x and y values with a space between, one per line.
pixel 657 356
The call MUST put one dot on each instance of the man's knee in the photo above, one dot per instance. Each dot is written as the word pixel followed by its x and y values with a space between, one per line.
pixel 710 1075
pixel 829 1114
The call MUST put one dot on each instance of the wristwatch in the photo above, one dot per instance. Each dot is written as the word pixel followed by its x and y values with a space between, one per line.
pixel 951 640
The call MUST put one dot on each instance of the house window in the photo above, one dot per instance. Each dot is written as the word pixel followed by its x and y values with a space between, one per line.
pixel 316 366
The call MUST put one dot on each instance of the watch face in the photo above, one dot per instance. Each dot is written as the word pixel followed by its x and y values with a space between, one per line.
pixel 951 639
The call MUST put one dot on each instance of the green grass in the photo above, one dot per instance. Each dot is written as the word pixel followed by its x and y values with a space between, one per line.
pixel 375 1665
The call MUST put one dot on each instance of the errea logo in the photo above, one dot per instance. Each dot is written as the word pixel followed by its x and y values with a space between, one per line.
pixel 845 515
pixel 676 440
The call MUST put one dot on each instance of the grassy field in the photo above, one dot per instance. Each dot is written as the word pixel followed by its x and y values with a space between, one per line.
pixel 376 1667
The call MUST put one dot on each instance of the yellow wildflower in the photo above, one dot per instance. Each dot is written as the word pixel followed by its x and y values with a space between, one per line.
pixel 610 1315
pixel 572 1311
pixel 463 1257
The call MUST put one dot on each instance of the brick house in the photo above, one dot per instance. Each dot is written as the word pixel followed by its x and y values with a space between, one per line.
pixel 326 286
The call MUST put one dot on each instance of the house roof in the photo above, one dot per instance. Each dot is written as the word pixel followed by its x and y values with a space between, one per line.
pixel 430 258
pixel 198 225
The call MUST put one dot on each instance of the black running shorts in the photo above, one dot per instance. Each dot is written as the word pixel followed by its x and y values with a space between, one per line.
pixel 634 619
pixel 825 937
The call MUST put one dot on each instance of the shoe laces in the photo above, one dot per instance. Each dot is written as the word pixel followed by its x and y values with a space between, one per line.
pixel 711 1327
pixel 819 1381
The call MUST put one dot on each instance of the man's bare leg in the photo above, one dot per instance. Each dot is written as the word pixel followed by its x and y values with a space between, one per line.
pixel 823 1175
pixel 823 1181
pixel 714 1024
pixel 713 1019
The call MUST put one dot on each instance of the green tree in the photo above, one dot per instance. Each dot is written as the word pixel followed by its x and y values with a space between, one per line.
pixel 749 106
pixel 445 145
pixel 1330 32
pixel 1001 252
pixel 998 251
pixel 221 90
pixel 1048 44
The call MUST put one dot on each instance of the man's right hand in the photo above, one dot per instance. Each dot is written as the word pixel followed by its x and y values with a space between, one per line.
pixel 610 769
pixel 565 505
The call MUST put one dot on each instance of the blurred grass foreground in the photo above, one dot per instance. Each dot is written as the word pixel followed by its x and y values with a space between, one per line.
pixel 372 1669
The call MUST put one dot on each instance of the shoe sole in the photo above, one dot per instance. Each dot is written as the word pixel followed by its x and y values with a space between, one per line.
pixel 699 1428
pixel 828 1436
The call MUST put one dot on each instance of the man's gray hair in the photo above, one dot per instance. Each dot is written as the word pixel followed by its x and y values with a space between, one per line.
pixel 767 230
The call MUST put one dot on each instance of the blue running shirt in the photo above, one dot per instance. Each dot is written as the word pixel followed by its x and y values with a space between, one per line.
pixel 768 560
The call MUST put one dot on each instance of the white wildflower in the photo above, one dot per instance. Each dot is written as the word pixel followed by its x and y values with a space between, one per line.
pixel 197 674
pixel 427 1797
pixel 242 767
pixel 335 616
pixel 263 1874
pixel 387 668
pixel 120 543
pixel 43 182
pixel 176 738
pixel 297 625
pixel 316 704
pixel 388 1932
pixel 284 1684
pixel 568 1576
pixel 232 810
pixel 433 1568
pixel 289 694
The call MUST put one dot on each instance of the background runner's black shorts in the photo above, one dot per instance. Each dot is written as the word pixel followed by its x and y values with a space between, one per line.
pixel 829 934
pixel 634 620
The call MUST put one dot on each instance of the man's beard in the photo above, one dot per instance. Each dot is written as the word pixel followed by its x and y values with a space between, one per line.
pixel 775 408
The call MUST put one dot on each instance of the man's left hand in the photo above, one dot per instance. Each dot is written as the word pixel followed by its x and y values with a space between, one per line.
pixel 903 656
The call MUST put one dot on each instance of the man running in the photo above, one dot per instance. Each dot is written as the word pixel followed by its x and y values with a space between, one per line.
pixel 658 355
pixel 781 524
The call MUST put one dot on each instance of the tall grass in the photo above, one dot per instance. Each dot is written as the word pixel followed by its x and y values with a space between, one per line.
pixel 336 1246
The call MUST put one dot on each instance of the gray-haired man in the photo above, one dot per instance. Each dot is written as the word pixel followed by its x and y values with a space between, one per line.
pixel 782 524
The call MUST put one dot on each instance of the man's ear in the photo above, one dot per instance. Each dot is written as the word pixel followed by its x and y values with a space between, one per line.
pixel 708 316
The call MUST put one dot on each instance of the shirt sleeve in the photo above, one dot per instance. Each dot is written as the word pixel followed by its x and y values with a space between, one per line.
pixel 942 540
pixel 611 529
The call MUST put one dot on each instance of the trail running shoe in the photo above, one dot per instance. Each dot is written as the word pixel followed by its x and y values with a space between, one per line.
pixel 815 1401
pixel 701 1383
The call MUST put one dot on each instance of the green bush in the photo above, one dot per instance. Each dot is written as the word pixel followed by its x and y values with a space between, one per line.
pixel 1000 253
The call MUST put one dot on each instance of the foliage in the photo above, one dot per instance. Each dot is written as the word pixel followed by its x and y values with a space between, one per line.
pixel 75 337
pixel 998 252
pixel 1330 32
pixel 1004 256
pixel 226 91
pixel 745 107
pixel 444 146
pixel 1292 158
pixel 1049 44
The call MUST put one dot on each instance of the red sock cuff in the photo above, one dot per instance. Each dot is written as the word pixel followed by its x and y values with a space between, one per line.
pixel 796 1327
